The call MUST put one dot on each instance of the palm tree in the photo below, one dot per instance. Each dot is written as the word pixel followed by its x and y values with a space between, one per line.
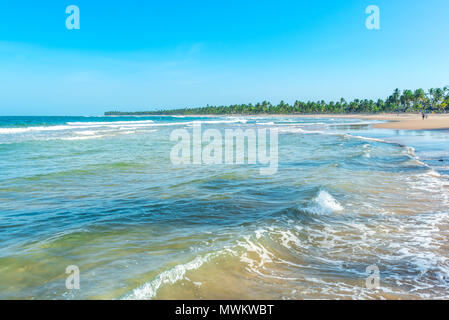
pixel 431 94
pixel 419 99
pixel 406 98
pixel 396 96
pixel 438 96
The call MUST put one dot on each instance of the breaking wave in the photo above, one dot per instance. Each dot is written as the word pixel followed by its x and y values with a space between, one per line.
pixel 324 203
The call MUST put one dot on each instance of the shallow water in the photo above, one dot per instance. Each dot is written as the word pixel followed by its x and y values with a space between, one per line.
pixel 102 194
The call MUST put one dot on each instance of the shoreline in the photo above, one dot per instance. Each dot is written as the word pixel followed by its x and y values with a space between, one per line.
pixel 406 121
pixel 402 121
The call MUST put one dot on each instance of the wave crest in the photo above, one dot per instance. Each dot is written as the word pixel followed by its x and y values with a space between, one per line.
pixel 324 203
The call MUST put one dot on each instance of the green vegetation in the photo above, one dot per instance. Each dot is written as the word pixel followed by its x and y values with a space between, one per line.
pixel 434 100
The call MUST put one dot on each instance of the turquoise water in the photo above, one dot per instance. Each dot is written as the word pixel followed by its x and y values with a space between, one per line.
pixel 102 194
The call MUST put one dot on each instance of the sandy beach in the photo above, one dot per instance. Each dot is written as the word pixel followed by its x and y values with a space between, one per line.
pixel 405 121
pixel 402 121
pixel 415 122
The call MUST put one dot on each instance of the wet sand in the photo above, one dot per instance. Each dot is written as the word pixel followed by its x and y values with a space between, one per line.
pixel 405 121
pixel 415 122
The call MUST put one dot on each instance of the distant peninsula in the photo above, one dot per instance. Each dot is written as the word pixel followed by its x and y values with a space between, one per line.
pixel 435 100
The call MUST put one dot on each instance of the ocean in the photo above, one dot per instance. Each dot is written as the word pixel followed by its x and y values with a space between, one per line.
pixel 102 194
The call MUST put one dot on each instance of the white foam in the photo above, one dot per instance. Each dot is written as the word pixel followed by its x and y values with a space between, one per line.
pixel 238 119
pixel 298 130
pixel 171 276
pixel 219 121
pixel 324 203
pixel 111 124
pixel 88 132
pixel 83 137
pixel 353 123
pixel 28 129
pixel 259 250
pixel 265 123
pixel 370 139
pixel 98 123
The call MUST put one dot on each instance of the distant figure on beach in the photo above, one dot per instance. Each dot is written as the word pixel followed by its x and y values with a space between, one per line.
pixel 423 115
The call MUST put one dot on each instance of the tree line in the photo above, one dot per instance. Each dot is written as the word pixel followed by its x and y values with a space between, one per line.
pixel 435 100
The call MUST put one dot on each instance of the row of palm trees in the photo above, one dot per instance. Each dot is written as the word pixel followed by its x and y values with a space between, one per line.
pixel 434 100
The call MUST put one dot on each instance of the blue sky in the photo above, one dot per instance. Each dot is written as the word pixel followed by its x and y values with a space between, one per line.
pixel 143 55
